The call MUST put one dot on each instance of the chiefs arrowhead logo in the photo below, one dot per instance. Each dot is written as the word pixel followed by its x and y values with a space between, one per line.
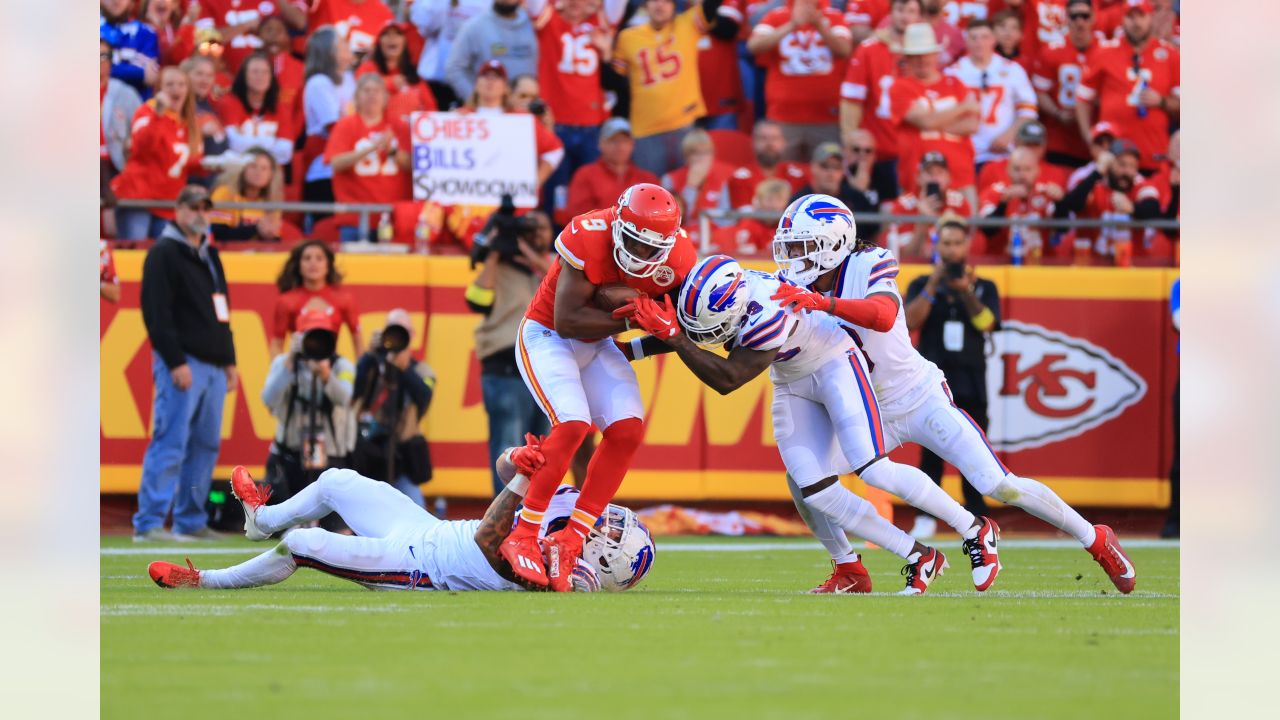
pixel 1046 386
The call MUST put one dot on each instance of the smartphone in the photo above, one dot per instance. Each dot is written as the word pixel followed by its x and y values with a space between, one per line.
pixel 955 270
pixel 933 189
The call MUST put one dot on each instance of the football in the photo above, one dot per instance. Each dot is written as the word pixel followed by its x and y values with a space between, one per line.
pixel 614 295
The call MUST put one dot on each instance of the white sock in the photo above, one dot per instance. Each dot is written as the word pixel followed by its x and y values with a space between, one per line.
pixel 1037 499
pixel 269 568
pixel 830 534
pixel 912 485
pixel 859 517
pixel 309 504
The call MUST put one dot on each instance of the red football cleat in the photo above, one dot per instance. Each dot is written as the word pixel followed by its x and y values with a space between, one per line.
pixel 168 575
pixel 983 555
pixel 850 577
pixel 524 555
pixel 1107 552
pixel 922 571
pixel 563 549
pixel 251 496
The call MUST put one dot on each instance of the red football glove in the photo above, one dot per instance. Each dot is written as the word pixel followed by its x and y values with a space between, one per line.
pixel 800 299
pixel 626 311
pixel 657 320
pixel 528 458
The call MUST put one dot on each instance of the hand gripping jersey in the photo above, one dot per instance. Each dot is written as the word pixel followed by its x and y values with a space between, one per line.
pixel 896 368
pixel 804 341
pixel 449 556
pixel 586 244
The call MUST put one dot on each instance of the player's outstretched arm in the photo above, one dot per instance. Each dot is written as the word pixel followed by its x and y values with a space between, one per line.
pixel 494 527
pixel 575 316
pixel 722 374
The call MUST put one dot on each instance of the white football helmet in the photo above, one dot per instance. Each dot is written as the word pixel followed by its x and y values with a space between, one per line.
pixel 712 300
pixel 816 233
pixel 621 549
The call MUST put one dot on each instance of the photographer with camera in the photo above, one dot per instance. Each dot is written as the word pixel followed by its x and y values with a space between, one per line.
pixel 515 252
pixel 954 311
pixel 392 393
pixel 308 389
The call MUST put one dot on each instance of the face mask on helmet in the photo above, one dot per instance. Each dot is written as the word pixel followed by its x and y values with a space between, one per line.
pixel 816 233
pixel 620 548
pixel 644 229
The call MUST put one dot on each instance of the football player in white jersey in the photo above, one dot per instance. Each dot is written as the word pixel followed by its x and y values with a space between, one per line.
pixel 854 281
pixel 400 546
pixel 825 418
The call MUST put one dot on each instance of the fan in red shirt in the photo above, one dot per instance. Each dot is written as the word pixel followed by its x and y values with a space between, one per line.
pixel 1057 76
pixel 702 183
pixel 309 280
pixel 574 40
pixel 1044 23
pixel 960 12
pixel 718 71
pixel 1114 189
pixel 873 69
pixel 579 380
pixel 252 115
pixel 236 21
pixel 390 58
pixel 369 154
pixel 1135 83
pixel 750 237
pixel 358 20
pixel 289 71
pixel 768 145
pixel 597 184
pixel 933 112
pixel 174 34
pixel 1032 135
pixel 933 196
pixel 1023 196
pixel 801 45
pixel 165 146
pixel 864 16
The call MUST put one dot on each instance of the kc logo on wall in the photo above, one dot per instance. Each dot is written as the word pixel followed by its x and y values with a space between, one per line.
pixel 1045 386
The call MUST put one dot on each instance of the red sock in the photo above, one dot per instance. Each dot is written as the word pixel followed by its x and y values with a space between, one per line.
pixel 605 471
pixel 558 449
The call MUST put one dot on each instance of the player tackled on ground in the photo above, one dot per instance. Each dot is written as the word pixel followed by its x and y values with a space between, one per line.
pixel 855 282
pixel 403 547
pixel 579 380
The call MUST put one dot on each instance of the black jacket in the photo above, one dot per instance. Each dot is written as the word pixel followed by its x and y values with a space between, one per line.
pixel 178 284
pixel 966 369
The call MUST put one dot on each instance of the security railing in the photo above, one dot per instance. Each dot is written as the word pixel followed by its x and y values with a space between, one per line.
pixel 361 210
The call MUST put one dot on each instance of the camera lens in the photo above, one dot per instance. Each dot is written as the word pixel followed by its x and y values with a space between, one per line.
pixel 319 344
pixel 395 338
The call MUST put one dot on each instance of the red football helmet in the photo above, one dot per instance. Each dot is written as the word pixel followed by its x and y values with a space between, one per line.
pixel 644 229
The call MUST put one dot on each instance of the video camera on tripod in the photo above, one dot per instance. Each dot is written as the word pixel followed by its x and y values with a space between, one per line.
pixel 502 233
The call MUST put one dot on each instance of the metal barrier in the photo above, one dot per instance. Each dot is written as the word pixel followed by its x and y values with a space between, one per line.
pixel 362 210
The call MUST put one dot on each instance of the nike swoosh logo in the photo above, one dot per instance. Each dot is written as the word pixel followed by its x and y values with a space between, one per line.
pixel 1128 566
pixel 927 572
pixel 844 588
pixel 664 321
pixel 986 541
pixel 415 557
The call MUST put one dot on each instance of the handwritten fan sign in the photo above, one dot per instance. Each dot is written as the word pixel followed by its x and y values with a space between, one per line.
pixel 473 158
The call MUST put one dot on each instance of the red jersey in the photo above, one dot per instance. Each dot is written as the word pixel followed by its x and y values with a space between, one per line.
pixel 803 75
pixel 712 195
pixel 594 186
pixel 106 264
pixel 743 182
pixel 869 13
pixel 586 244
pixel 267 126
pixel 1044 23
pixel 946 92
pixel 900 234
pixel 360 20
pixel 1057 73
pixel 718 72
pixel 1037 204
pixel 395 82
pixel 998 171
pixel 1099 205
pixel 159 159
pixel 377 178
pixel 960 12
pixel 331 299
pixel 228 13
pixel 569 68
pixel 290 77
pixel 176 44
pixel 872 71
pixel 1115 78
pixel 747 238
pixel 417 98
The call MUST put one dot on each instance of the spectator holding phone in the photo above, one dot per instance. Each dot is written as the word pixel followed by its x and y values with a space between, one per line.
pixel 933 196
pixel 954 311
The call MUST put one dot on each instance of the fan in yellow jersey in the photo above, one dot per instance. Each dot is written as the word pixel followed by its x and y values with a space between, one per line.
pixel 660 61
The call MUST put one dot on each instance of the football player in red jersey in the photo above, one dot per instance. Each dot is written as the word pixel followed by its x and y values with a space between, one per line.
pixel 577 379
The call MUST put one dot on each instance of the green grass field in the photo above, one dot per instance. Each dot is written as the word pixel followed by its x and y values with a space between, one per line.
pixel 721 628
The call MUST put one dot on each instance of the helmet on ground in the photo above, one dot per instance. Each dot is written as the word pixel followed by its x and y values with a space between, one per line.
pixel 621 549
pixel 712 300
pixel 816 233
pixel 645 228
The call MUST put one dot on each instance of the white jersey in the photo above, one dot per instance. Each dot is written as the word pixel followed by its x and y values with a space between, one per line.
pixel 896 367
pixel 804 341
pixel 449 556
pixel 1005 92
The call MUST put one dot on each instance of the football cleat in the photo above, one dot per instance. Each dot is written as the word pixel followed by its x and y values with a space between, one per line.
pixel 524 555
pixel 850 577
pixel 921 571
pixel 1107 552
pixel 251 496
pixel 168 575
pixel 983 555
pixel 563 548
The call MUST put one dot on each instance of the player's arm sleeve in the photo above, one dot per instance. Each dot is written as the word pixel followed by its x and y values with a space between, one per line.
pixel 570 248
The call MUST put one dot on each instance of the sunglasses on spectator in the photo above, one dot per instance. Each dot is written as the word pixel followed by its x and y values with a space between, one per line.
pixel 862 150
pixel 104 56
pixel 1080 16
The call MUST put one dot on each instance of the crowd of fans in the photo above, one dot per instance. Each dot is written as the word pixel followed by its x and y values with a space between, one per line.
pixel 987 108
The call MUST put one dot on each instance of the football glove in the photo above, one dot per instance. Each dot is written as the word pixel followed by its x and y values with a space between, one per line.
pixel 659 320
pixel 798 299
pixel 528 457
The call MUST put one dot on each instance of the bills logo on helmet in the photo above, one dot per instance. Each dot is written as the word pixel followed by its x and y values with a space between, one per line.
pixel 1049 386
pixel 824 211
pixel 723 296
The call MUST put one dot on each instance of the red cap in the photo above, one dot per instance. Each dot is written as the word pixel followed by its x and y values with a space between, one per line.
pixel 492 66
pixel 1102 128
pixel 1143 5
pixel 316 319
pixel 389 24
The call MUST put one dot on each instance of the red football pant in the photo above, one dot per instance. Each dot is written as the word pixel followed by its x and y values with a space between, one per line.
pixel 606 470
pixel 558 450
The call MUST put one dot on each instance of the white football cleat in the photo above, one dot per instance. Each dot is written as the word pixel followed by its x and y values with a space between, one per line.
pixel 983 555
pixel 921 569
